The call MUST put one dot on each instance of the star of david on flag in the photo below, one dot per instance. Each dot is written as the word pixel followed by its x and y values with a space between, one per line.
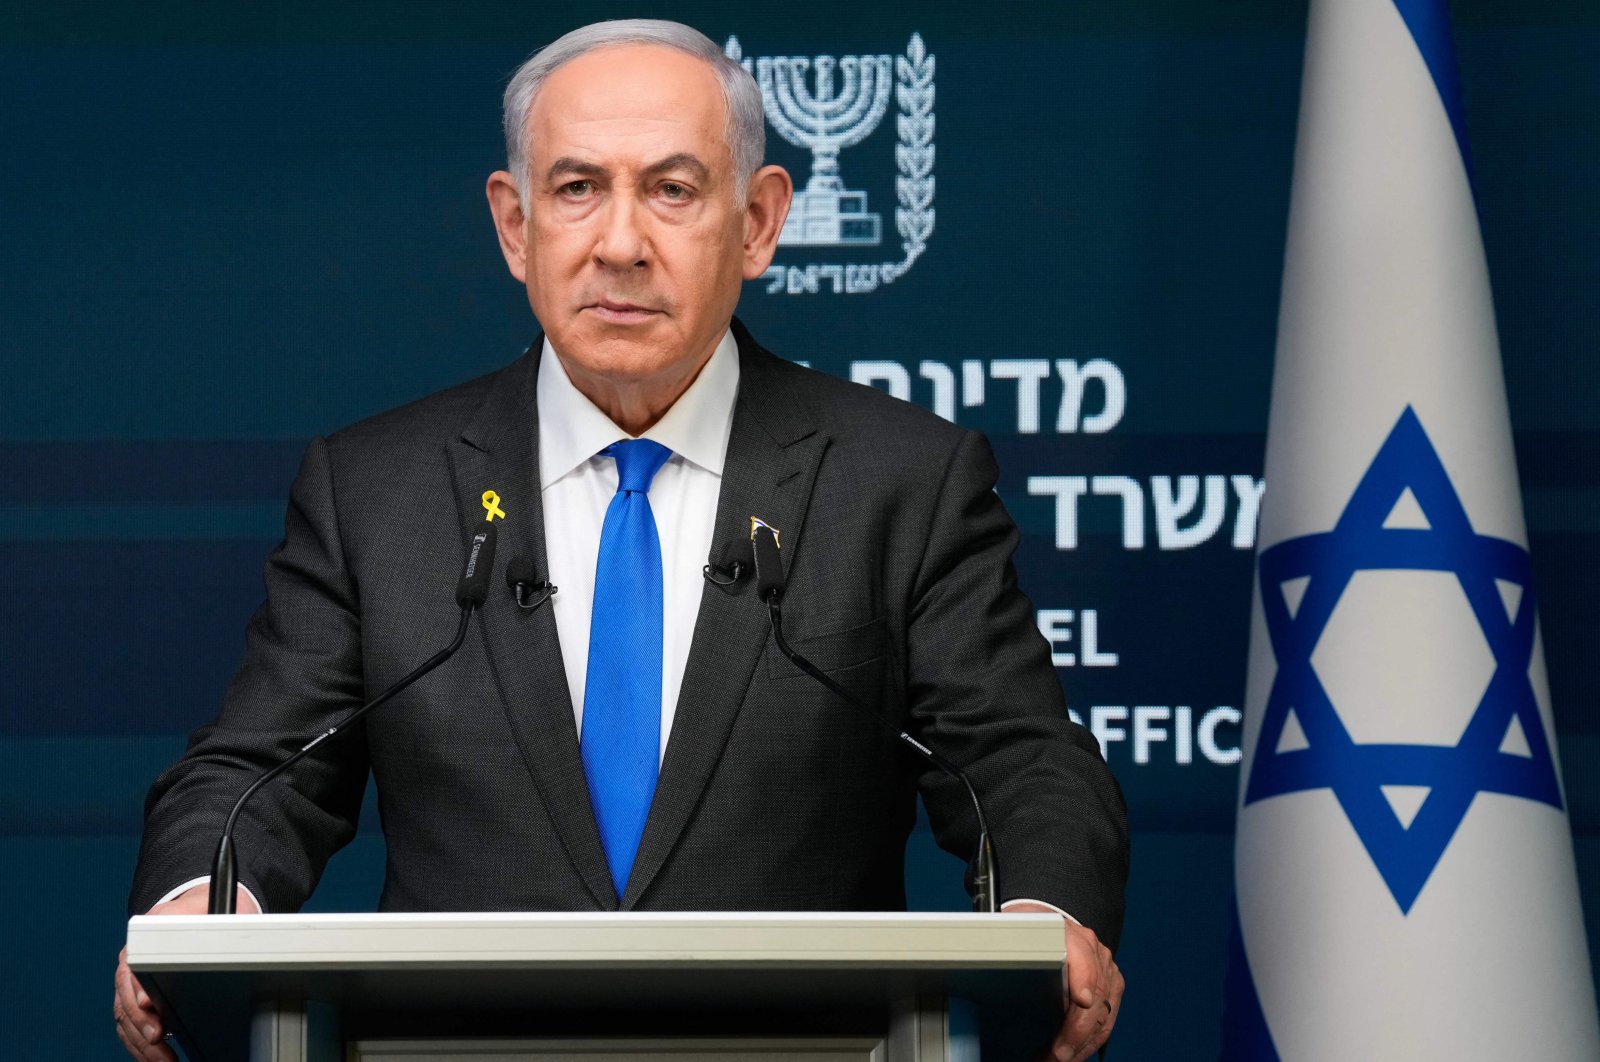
pixel 1504 748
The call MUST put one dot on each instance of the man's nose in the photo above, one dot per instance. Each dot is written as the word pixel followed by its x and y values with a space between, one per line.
pixel 622 242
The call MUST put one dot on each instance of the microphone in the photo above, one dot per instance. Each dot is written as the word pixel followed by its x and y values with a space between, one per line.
pixel 471 592
pixel 473 589
pixel 523 579
pixel 727 575
pixel 769 566
pixel 770 584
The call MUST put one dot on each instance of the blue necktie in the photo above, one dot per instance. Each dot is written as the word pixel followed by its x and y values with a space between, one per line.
pixel 622 699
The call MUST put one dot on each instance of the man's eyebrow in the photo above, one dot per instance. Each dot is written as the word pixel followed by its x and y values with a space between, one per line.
pixel 567 166
pixel 682 160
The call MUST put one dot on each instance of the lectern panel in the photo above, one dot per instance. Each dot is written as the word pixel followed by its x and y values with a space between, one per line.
pixel 808 1049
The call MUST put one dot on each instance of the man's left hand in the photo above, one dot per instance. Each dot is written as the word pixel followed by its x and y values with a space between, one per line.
pixel 1091 990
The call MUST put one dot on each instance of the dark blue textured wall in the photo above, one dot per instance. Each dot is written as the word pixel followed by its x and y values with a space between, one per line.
pixel 223 232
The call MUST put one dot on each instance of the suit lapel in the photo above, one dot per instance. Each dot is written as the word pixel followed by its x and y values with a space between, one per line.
pixel 773 454
pixel 499 451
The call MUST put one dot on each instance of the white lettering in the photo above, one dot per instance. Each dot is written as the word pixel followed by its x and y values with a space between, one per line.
pixel 1132 506
pixel 1066 490
pixel 1208 735
pixel 891 373
pixel 1056 626
pixel 1183 735
pixel 944 387
pixel 1110 725
pixel 1069 418
pixel 1101 716
pixel 1174 499
pixel 1249 490
pixel 1171 507
pixel 1028 372
pixel 1145 730
pixel 972 380
pixel 1092 656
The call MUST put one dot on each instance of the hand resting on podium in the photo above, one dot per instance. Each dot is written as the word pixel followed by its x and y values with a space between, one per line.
pixel 139 1024
pixel 1091 988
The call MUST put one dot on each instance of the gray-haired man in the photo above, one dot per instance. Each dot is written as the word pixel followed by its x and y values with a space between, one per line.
pixel 634 208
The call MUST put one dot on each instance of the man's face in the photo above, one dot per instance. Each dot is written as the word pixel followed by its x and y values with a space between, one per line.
pixel 635 241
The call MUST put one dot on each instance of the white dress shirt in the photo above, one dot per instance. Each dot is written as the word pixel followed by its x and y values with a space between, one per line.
pixel 577 485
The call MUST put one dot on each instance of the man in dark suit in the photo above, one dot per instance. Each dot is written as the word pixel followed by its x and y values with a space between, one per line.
pixel 634 207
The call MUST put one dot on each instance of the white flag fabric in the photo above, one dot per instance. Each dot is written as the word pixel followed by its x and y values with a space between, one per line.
pixel 1405 883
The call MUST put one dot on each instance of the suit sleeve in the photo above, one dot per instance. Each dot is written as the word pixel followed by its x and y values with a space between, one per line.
pixel 302 672
pixel 981 689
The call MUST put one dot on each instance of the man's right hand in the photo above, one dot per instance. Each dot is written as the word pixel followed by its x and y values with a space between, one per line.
pixel 139 1026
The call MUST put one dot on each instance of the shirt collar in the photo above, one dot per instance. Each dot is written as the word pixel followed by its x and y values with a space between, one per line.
pixel 572 429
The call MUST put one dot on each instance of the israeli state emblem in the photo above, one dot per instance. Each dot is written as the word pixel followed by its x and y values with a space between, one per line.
pixel 825 104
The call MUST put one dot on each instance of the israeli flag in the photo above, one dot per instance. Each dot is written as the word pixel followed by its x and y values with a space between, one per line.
pixel 1404 870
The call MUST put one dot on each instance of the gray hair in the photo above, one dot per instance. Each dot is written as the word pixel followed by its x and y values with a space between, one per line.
pixel 746 133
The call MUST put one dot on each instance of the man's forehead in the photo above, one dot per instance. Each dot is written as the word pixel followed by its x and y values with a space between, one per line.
pixel 630 81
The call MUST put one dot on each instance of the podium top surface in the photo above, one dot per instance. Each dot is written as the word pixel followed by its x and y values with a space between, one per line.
pixel 602 940
pixel 567 974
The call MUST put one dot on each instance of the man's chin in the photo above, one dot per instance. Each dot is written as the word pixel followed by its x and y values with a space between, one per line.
pixel 626 355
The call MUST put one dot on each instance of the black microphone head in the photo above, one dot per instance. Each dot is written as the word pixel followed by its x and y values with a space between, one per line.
pixel 769 565
pixel 473 589
pixel 521 570
pixel 731 563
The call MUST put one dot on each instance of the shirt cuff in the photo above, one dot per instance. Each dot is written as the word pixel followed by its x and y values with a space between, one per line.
pixel 1041 903
pixel 191 883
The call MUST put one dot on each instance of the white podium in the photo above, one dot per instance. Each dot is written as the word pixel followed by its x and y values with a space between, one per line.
pixel 602 987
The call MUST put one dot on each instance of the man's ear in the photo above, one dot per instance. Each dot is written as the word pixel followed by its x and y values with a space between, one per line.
pixel 770 194
pixel 510 222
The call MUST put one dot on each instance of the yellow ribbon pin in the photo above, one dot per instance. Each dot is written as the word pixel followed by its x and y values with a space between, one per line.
pixel 491 502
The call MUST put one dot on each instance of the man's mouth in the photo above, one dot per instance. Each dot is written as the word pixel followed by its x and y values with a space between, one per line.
pixel 618 311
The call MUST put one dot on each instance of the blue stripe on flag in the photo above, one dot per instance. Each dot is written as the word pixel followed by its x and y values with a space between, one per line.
pixel 1429 23
pixel 1245 1036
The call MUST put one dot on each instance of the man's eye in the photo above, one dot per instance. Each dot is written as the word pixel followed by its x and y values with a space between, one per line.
pixel 674 191
pixel 577 189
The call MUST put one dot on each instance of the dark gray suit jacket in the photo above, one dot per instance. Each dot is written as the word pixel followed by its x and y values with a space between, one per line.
pixel 772 794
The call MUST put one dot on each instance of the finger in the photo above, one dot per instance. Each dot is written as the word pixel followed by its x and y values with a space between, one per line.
pixel 1078 1024
pixel 1103 1030
pixel 134 1008
pixel 131 996
pixel 1087 972
pixel 143 1049
pixel 1087 986
pixel 1118 986
pixel 1109 1009
pixel 1070 1052
pixel 130 1029
pixel 138 1024
pixel 1087 1048
pixel 1112 1004
pixel 1080 1033
pixel 139 1049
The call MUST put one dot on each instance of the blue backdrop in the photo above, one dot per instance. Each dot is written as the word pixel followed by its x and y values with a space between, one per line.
pixel 225 231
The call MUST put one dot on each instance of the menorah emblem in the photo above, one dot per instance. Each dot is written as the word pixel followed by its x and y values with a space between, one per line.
pixel 845 100
pixel 826 213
